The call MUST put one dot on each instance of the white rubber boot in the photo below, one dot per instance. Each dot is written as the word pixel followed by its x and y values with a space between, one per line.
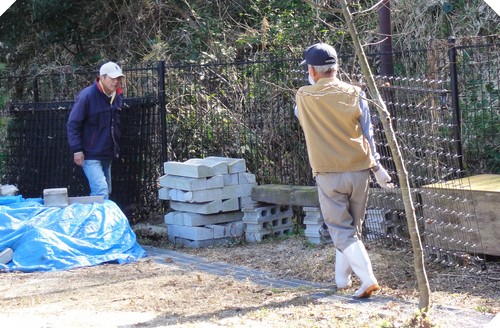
pixel 343 271
pixel 361 265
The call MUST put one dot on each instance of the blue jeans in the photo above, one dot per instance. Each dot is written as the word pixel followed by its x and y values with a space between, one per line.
pixel 99 175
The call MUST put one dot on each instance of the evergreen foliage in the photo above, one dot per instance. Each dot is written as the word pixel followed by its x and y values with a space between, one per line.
pixel 37 34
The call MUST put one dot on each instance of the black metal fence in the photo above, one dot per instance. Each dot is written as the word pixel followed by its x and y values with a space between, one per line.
pixel 446 121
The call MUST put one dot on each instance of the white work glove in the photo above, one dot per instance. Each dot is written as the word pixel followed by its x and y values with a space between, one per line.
pixel 383 178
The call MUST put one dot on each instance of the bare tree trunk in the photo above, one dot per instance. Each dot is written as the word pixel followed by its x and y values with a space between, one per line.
pixel 418 258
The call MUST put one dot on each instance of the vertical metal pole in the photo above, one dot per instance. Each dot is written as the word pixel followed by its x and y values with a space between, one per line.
pixel 36 96
pixel 386 71
pixel 163 109
pixel 457 134
pixel 384 14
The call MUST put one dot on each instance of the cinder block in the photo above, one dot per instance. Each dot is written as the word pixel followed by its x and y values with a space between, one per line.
pixel 55 197
pixel 266 212
pixel 196 219
pixel 267 220
pixel 256 236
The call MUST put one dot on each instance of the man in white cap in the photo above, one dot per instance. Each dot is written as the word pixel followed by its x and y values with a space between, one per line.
pixel 93 128
pixel 335 118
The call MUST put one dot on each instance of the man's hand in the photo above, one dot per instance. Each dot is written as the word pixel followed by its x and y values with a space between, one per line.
pixel 383 178
pixel 79 158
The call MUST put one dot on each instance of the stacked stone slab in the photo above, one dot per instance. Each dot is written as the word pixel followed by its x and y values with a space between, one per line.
pixel 206 196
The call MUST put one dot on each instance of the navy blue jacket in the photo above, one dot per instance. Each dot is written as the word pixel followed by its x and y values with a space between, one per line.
pixel 94 124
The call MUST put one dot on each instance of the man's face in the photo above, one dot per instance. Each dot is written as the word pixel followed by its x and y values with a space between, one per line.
pixel 111 84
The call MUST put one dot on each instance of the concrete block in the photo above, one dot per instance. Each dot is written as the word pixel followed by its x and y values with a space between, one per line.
pixel 244 190
pixel 267 220
pixel 215 206
pixel 86 200
pixel 208 195
pixel 55 197
pixel 259 235
pixel 196 219
pixel 267 212
pixel 234 165
pixel 317 234
pixel 198 196
pixel 163 193
pixel 231 179
pixel 271 225
pixel 184 169
pixel 313 215
pixel 6 255
pixel 8 190
pixel 191 184
pixel 233 229
pixel 218 166
pixel 244 178
pixel 247 202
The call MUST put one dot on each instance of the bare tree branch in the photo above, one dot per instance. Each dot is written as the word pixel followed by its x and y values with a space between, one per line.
pixel 419 265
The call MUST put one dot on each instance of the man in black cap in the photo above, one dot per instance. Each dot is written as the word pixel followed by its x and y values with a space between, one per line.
pixel 335 118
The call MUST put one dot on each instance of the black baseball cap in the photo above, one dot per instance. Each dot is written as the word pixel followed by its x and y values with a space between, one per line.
pixel 320 54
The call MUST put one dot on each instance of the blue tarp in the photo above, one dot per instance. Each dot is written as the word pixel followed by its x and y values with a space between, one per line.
pixel 52 238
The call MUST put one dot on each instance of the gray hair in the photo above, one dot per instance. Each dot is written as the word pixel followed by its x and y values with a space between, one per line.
pixel 325 68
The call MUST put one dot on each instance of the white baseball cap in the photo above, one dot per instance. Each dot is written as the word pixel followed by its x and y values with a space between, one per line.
pixel 111 69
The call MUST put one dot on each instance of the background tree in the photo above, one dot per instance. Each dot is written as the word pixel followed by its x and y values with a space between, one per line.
pixel 36 34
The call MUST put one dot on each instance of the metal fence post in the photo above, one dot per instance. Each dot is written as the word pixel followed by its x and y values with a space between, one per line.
pixel 457 135
pixel 36 97
pixel 163 109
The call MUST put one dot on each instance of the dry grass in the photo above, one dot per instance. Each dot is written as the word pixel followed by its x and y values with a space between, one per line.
pixel 393 266
pixel 150 294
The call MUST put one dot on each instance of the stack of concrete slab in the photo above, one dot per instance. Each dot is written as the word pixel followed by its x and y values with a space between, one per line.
pixel 206 196
pixel 263 220
pixel 272 215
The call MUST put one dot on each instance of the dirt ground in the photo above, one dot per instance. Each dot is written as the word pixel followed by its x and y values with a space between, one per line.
pixel 148 293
